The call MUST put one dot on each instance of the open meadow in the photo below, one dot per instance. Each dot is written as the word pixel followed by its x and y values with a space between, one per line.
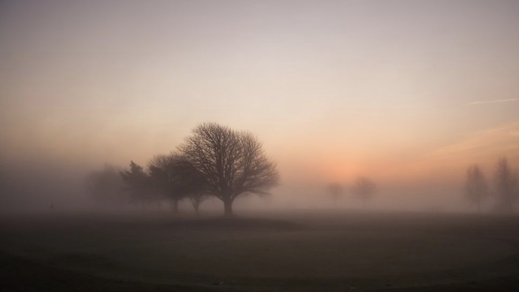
pixel 300 251
pixel 259 146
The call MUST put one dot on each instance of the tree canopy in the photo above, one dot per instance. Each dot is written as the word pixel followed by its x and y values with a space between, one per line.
pixel 176 178
pixel 137 182
pixel 232 162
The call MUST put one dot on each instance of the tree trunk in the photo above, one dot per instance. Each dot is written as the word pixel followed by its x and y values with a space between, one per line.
pixel 227 204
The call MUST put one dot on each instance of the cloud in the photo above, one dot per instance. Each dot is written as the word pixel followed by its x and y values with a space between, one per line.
pixel 448 163
pixel 491 141
pixel 493 101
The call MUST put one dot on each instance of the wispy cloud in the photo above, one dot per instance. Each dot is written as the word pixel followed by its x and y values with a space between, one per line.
pixel 493 101
pixel 488 142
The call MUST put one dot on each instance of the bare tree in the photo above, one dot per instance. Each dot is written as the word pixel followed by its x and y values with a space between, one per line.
pixel 159 178
pixel 232 162
pixel 197 199
pixel 188 181
pixel 364 189
pixel 476 189
pixel 177 179
pixel 335 191
pixel 162 181
pixel 507 189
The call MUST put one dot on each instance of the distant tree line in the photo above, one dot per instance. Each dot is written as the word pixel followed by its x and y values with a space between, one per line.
pixel 215 161
pixel 505 188
pixel 363 189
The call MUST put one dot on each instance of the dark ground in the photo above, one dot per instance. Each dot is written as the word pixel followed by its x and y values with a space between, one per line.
pixel 303 251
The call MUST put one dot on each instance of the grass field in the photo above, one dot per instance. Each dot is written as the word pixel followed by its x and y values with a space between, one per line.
pixel 300 251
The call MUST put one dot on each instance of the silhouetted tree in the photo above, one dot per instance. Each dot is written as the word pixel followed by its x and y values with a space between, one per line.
pixel 507 189
pixel 232 162
pixel 364 189
pixel 190 182
pixel 197 199
pixel 162 180
pixel 177 179
pixel 335 191
pixel 476 189
pixel 137 182
pixel 105 185
pixel 158 178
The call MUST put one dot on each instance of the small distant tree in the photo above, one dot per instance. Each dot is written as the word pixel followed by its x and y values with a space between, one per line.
pixel 105 185
pixel 364 189
pixel 335 191
pixel 476 188
pixel 507 188
pixel 137 183
pixel 197 199
pixel 232 163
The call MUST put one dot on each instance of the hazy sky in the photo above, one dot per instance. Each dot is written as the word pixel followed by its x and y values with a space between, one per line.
pixel 334 89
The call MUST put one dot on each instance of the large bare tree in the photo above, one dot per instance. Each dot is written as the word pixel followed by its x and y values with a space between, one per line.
pixel 476 189
pixel 507 188
pixel 364 188
pixel 232 162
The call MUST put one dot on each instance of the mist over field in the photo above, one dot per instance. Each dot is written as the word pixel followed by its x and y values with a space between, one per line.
pixel 259 145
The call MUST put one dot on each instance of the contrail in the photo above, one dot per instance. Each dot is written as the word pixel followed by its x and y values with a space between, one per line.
pixel 493 101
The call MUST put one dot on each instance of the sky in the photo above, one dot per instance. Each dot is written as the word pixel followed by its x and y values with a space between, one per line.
pixel 407 92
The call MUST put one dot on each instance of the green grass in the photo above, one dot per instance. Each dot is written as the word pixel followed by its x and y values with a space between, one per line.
pixel 303 251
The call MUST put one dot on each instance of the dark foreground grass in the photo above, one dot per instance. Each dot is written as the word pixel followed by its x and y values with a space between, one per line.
pixel 17 274
pixel 21 275
pixel 295 252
